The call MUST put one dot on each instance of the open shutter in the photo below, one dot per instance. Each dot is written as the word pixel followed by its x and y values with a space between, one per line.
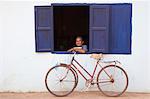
pixel 44 28
pixel 99 28
pixel 121 28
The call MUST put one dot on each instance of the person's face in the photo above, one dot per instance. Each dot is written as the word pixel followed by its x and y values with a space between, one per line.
pixel 79 42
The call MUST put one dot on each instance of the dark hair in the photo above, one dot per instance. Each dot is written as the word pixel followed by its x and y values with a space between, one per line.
pixel 80 37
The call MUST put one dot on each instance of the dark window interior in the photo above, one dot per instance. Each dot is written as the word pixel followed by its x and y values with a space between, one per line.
pixel 70 22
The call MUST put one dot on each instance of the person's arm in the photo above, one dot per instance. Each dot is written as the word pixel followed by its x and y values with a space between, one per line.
pixel 70 50
pixel 83 49
pixel 77 50
pixel 80 50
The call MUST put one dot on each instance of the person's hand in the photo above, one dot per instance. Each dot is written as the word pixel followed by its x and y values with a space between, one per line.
pixel 77 48
pixel 70 50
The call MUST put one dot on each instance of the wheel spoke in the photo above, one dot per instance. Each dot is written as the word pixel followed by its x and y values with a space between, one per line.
pixel 114 72
pixel 105 84
pixel 68 81
pixel 117 83
pixel 60 81
pixel 57 74
pixel 57 82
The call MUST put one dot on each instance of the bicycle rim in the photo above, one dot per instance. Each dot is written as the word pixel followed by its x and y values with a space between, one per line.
pixel 112 81
pixel 60 81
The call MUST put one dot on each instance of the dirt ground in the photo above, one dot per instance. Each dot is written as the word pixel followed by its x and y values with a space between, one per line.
pixel 74 95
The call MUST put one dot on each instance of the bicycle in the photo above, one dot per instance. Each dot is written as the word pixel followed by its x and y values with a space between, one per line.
pixel 112 80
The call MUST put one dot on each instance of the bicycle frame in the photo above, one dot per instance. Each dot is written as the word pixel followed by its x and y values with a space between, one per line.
pixel 91 75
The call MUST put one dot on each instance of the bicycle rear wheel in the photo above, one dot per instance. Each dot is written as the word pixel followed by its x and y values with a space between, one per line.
pixel 60 80
pixel 112 81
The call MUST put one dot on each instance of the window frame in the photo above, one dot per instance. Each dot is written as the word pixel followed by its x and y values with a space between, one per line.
pixel 86 4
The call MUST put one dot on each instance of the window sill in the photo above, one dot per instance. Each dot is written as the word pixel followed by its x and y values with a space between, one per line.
pixel 65 52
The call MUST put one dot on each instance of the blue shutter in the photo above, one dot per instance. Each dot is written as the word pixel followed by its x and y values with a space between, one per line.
pixel 121 28
pixel 99 28
pixel 44 28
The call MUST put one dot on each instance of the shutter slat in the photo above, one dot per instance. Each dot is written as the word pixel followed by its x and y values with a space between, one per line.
pixel 43 28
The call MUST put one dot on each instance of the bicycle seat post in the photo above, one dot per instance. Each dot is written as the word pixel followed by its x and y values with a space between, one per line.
pixel 74 53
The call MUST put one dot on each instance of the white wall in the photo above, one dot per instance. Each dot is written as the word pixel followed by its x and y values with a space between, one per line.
pixel 148 40
pixel 1 47
pixel 21 69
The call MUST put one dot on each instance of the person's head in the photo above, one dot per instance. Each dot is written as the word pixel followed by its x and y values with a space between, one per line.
pixel 79 41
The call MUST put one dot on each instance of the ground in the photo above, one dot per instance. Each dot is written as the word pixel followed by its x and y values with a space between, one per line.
pixel 74 95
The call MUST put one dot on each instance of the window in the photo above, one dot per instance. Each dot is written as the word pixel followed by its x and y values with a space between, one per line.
pixel 70 22
pixel 105 27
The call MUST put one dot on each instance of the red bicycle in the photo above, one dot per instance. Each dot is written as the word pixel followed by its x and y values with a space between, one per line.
pixel 112 80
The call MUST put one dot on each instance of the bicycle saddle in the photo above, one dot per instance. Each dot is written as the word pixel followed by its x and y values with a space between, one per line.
pixel 97 56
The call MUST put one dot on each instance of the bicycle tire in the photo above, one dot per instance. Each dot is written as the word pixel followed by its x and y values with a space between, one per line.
pixel 107 91
pixel 70 70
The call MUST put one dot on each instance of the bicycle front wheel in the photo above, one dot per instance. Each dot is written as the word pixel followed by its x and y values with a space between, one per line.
pixel 112 80
pixel 60 80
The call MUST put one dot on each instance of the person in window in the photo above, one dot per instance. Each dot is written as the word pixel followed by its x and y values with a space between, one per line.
pixel 80 47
